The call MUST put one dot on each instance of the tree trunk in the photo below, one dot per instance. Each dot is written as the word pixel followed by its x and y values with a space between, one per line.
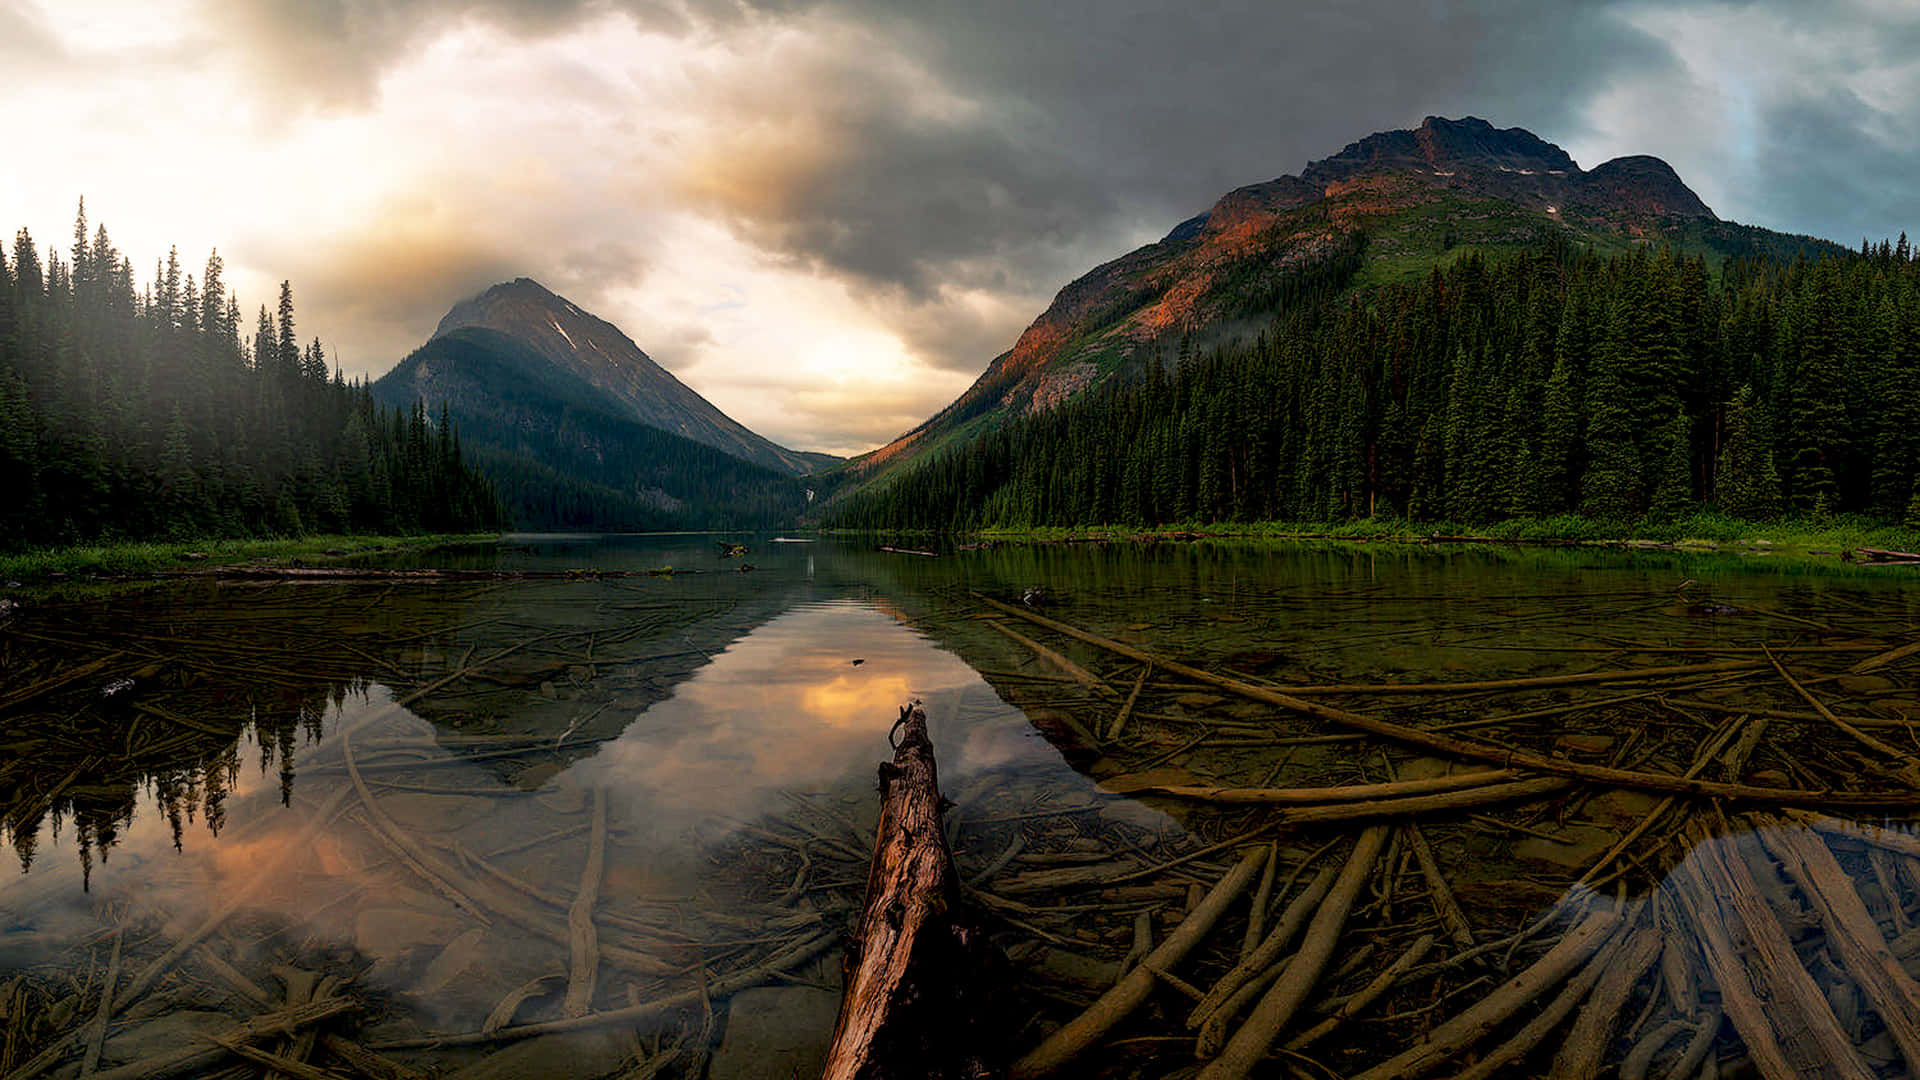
pixel 917 1001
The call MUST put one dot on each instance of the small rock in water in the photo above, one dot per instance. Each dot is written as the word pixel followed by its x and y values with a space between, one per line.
pixel 118 692
pixel 1711 609
pixel 859 661
pixel 776 1033
pixel 1035 596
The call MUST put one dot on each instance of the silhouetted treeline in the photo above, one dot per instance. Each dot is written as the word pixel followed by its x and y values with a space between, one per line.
pixel 146 412
pixel 1549 383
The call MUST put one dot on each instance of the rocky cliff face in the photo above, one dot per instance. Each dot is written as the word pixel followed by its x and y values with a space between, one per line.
pixel 1473 157
pixel 594 350
pixel 1412 194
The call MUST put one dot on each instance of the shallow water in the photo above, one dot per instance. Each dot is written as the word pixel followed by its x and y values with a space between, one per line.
pixel 388 789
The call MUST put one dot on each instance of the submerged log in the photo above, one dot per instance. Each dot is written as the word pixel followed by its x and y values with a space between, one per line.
pixel 915 1002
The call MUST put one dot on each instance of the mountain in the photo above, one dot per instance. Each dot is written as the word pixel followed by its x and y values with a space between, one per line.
pixel 595 352
pixel 564 454
pixel 1391 207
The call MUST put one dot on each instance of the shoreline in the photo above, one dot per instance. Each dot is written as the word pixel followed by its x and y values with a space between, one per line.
pixel 1832 543
pixel 136 559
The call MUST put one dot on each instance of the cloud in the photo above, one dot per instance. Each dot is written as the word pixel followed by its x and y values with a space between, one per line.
pixel 822 142
pixel 1778 119
pixel 372 290
pixel 25 41
pixel 333 53
pixel 819 205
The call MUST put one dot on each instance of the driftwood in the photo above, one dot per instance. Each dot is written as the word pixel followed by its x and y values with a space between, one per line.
pixel 803 949
pixel 583 940
pixel 1781 1014
pixel 910 1008
pixel 1314 796
pixel 1616 973
pixel 196 1057
pixel 1881 555
pixel 1366 996
pixel 1503 756
pixel 1912 764
pixel 1852 933
pixel 1086 1029
pixel 1490 1012
pixel 1284 998
pixel 1052 656
pixel 1232 991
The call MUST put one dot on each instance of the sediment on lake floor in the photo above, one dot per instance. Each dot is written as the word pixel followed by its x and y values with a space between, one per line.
pixel 1637 854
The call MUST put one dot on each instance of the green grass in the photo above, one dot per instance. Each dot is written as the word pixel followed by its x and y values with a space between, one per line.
pixel 1704 531
pixel 135 559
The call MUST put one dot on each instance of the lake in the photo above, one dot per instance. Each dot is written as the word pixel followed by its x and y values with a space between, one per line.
pixel 348 819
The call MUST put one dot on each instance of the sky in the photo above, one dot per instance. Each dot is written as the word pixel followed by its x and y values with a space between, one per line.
pixel 828 216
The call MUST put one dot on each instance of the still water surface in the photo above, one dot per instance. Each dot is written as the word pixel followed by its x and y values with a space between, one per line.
pixel 392 792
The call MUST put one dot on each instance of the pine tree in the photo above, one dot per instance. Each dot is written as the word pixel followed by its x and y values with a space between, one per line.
pixel 1557 463
pixel 1610 490
pixel 1673 497
pixel 1746 483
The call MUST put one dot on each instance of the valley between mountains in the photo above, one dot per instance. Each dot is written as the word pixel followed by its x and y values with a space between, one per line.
pixel 1454 323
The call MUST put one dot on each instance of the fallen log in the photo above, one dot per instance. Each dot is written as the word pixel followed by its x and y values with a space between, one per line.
pixel 1314 796
pixel 1066 667
pixel 1490 1012
pixel 1851 931
pixel 914 1005
pixel 1780 1012
pixel 1881 555
pixel 1504 757
pixel 1586 1045
pixel 1248 1045
pixel 1232 990
pixel 1911 770
pixel 1115 1005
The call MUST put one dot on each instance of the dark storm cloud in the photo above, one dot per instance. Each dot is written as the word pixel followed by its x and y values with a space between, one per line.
pixel 930 154
pixel 1098 124
pixel 1172 105
pixel 1081 120
pixel 1825 163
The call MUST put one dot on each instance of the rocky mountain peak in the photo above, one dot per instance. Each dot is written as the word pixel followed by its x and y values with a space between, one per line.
pixel 1444 147
pixel 594 350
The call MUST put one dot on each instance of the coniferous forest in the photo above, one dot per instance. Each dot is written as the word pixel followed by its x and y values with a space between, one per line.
pixel 131 411
pixel 1643 386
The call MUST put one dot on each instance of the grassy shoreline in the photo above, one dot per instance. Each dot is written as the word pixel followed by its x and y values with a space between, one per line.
pixel 132 559
pixel 1704 533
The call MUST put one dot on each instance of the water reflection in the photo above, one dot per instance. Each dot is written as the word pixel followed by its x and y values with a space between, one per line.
pixel 713 735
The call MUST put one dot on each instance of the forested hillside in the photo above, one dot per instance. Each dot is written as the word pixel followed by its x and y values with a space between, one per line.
pixel 563 454
pixel 1551 382
pixel 130 411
